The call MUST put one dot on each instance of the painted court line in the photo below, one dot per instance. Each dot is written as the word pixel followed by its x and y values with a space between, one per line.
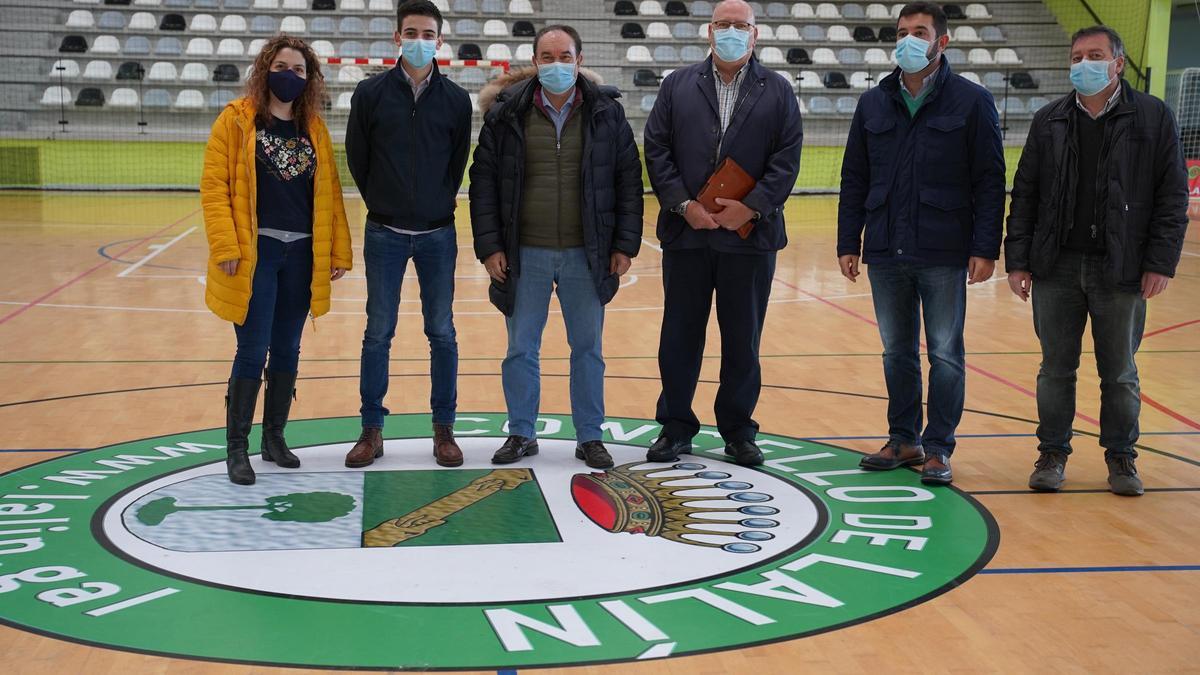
pixel 63 286
pixel 157 248
pixel 1070 570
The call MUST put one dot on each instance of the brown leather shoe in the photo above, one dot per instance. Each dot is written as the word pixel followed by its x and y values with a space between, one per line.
pixel 368 448
pixel 445 449
pixel 893 455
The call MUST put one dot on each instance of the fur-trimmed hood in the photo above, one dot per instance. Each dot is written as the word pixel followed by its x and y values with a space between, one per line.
pixel 518 76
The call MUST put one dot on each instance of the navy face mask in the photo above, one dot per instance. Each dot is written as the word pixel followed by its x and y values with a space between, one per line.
pixel 286 85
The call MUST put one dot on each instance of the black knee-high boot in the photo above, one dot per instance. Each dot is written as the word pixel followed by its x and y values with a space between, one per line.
pixel 277 402
pixel 240 400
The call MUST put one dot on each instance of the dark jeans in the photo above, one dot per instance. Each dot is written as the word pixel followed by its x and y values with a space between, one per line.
pixel 279 303
pixel 902 294
pixel 387 254
pixel 1062 303
pixel 742 283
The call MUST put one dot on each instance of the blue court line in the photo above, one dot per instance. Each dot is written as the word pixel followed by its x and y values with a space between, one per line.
pixel 506 672
pixel 1069 570
pixel 880 438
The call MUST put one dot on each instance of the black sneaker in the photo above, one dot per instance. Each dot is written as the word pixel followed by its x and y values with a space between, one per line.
pixel 594 454
pixel 1123 476
pixel 1049 472
pixel 514 449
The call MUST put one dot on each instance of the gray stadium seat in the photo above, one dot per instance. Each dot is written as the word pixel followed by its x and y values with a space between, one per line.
pixel 472 78
pixel 853 12
pixel 683 31
pixel 263 24
pixel 820 105
pixel 665 54
pixel 98 70
pixel 381 49
pixel 465 7
pixel 194 72
pixel 701 8
pixel 466 27
pixel 231 47
pixel 1015 105
pixel 221 98
pixel 293 25
pixel 162 71
pixel 156 98
pixel 352 25
pixel 123 98
pixel 207 4
pixel 1036 103
pixel 991 34
pixel 177 3
pixel 380 26
pixel 200 47
pixel 812 33
pixel 322 25
pixel 168 46
pixel 203 23
pixel 189 99
pixel 993 81
pixel 955 56
pixel 846 105
pixel 353 49
pixel 80 18
pixel 647 102
pixel 692 54
pixel 777 10
pixel 493 7
pixel 70 69
pixel 111 21
pixel 849 56
pixel 236 5
pixel 233 23
pixel 136 45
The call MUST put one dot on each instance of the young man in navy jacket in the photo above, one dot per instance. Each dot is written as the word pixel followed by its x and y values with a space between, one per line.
pixel 924 173
pixel 407 142
pixel 727 106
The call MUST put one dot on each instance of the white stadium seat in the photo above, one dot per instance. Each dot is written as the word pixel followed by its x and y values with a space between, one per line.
pixel 828 10
pixel 323 48
pixel 233 23
pixel 447 52
pixel 199 47
pixel 256 46
pixel 658 31
pixel 638 54
pixel 840 33
pixel 231 47
pixel 824 56
pixel 877 11
pixel 520 7
pixel 803 10
pixel 57 96
pixel 980 56
pixel 495 28
pixel 266 4
pixel 860 80
pixel 293 25
pixel 98 70
pixel 203 23
pixel 142 21
pixel 771 56
pixel 810 80
pixel 498 52
pixel 162 71
pixel 524 53
pixel 69 69
pixel 123 98
pixel 194 72
pixel 80 18
pixel 965 34
pixel 343 100
pixel 650 8
pixel 977 11
pixel 1007 56
pixel 351 74
pixel 876 57
pixel 106 44
pixel 190 99
pixel 787 33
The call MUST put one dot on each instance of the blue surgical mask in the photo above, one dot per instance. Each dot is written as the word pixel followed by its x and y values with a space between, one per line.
pixel 912 54
pixel 731 43
pixel 556 78
pixel 1090 77
pixel 418 53
pixel 286 85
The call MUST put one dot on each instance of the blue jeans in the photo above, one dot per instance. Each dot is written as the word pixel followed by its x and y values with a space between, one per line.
pixel 279 301
pixel 565 272
pixel 387 254
pixel 1062 303
pixel 903 293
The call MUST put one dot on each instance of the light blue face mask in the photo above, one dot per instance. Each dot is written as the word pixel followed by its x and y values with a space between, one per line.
pixel 556 78
pixel 912 54
pixel 1090 77
pixel 731 43
pixel 418 53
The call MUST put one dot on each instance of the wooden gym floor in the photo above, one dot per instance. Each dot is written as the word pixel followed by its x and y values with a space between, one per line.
pixel 104 337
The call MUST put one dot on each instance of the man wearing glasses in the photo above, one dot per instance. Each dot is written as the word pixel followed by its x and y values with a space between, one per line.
pixel 731 107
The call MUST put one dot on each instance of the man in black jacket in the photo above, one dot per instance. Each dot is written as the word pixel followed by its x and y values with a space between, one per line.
pixel 556 206
pixel 407 142
pixel 728 106
pixel 1096 226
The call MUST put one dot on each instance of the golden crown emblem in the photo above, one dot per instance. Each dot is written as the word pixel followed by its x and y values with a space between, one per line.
pixel 654 503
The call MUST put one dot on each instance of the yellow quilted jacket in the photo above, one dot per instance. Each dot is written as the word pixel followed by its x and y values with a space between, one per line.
pixel 227 192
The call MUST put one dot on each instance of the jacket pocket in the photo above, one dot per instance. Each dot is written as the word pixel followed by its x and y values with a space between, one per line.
pixel 876 235
pixel 944 147
pixel 880 141
pixel 943 220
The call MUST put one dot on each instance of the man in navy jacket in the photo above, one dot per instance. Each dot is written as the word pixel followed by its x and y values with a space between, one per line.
pixel 407 141
pixel 727 106
pixel 924 173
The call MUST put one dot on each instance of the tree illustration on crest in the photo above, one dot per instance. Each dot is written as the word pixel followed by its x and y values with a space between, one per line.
pixel 296 507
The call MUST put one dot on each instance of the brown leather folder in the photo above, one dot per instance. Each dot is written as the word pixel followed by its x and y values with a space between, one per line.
pixel 729 181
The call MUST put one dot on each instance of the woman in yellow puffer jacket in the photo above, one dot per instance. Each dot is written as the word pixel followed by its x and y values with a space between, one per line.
pixel 277 237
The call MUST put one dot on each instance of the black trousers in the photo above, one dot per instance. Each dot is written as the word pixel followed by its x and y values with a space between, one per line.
pixel 742 283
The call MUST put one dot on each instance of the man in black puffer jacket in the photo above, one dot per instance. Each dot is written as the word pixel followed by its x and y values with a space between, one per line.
pixel 1099 211
pixel 556 206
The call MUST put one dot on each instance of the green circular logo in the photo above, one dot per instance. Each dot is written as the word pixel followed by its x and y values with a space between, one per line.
pixel 146 546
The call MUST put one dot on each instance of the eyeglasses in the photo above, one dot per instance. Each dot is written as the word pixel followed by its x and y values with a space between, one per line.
pixel 724 25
